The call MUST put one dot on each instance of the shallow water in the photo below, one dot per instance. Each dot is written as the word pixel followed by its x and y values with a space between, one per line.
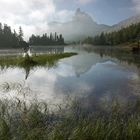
pixel 89 76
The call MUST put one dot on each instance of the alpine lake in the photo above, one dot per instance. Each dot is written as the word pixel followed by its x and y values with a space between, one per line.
pixel 94 75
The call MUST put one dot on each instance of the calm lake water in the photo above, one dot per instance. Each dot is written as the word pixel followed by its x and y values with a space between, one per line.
pixel 88 75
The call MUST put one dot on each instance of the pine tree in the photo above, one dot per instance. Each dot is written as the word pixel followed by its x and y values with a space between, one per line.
pixel 20 34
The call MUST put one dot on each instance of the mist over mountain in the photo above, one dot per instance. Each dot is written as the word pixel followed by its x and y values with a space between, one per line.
pixel 81 26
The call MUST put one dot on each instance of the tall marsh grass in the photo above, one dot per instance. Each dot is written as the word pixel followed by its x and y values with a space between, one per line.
pixel 19 121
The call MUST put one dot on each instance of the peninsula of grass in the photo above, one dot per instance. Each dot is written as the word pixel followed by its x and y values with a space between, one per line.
pixel 35 60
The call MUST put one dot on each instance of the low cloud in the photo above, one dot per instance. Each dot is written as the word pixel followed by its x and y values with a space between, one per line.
pixel 85 1
pixel 32 15
pixel 137 6
pixel 81 26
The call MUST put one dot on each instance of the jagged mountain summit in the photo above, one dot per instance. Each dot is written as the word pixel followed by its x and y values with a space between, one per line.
pixel 82 17
pixel 81 26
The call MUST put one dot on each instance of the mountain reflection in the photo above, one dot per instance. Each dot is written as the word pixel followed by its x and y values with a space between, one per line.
pixel 86 75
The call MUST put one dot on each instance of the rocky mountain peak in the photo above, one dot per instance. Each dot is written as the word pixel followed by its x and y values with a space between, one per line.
pixel 82 16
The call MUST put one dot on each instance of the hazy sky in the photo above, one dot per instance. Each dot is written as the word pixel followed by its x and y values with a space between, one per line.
pixel 33 15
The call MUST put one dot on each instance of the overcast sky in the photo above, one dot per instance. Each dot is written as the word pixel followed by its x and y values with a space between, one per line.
pixel 33 15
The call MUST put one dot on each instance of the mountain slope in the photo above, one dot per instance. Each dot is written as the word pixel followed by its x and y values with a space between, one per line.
pixel 125 23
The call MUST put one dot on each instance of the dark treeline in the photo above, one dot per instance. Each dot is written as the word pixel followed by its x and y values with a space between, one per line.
pixel 52 39
pixel 9 38
pixel 128 34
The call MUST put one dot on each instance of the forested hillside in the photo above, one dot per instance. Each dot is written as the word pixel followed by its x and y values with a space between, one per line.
pixel 128 34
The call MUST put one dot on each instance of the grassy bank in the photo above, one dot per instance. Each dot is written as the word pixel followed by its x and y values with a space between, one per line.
pixel 35 60
pixel 36 122
pixel 128 45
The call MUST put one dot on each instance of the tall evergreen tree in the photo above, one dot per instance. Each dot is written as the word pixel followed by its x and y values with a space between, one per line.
pixel 8 38
pixel 20 34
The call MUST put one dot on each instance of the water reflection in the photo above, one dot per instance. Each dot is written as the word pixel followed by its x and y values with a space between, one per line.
pixel 121 54
pixel 47 49
pixel 90 76
pixel 27 72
